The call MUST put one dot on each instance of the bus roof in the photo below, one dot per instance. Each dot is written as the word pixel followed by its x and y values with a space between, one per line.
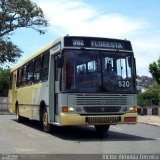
pixel 36 54
pixel 81 41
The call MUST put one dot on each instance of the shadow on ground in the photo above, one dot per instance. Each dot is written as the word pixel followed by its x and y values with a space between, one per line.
pixel 82 133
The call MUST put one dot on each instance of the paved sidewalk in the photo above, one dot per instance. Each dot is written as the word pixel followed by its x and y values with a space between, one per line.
pixel 149 119
pixel 5 113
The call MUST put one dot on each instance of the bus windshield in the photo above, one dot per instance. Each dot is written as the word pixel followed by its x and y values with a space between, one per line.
pixel 97 71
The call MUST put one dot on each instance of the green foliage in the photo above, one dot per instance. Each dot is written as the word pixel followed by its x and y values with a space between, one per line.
pixel 154 69
pixel 20 13
pixel 142 101
pixel 8 52
pixel 16 14
pixel 4 81
pixel 149 98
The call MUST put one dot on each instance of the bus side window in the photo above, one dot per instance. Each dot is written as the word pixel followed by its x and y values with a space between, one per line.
pixel 24 75
pixel 30 73
pixel 37 69
pixel 45 66
pixel 19 78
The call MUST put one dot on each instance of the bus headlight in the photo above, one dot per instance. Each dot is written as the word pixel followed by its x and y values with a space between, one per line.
pixel 71 109
pixel 133 109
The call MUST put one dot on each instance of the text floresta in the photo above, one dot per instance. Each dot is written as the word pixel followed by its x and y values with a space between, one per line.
pixel 104 44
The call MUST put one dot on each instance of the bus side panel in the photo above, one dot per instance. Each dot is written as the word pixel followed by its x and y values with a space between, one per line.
pixel 12 94
pixel 39 93
pixel 10 106
pixel 24 98
pixel 29 98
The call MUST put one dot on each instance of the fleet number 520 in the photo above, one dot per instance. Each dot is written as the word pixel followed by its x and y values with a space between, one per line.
pixel 124 84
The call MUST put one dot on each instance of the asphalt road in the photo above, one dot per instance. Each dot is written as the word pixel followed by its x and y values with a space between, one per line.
pixel 28 138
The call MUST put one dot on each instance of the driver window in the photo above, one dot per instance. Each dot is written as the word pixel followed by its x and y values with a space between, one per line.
pixel 123 68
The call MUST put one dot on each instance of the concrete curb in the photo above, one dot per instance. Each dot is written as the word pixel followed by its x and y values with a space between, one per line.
pixel 5 113
pixel 149 123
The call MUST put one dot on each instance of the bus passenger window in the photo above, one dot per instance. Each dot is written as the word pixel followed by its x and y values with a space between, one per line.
pixel 30 73
pixel 24 75
pixel 19 78
pixel 45 66
pixel 37 69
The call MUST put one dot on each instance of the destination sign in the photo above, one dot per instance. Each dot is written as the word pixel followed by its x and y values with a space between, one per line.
pixel 106 44
pixel 90 42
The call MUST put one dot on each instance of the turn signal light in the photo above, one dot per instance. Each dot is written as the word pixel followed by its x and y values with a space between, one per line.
pixel 133 109
pixel 64 109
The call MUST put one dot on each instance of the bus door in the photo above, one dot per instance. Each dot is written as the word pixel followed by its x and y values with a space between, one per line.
pixel 54 90
pixel 57 73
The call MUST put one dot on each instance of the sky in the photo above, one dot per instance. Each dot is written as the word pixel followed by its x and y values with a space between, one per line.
pixel 134 20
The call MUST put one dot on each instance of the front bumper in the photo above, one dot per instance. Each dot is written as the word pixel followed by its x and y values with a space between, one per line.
pixel 76 119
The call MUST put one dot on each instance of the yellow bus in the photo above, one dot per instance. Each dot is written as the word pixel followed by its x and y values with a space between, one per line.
pixel 77 80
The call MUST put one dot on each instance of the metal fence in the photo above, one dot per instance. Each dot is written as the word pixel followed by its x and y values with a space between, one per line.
pixel 152 110
pixel 3 104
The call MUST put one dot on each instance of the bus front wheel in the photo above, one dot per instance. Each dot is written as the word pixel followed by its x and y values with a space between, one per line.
pixel 102 129
pixel 46 125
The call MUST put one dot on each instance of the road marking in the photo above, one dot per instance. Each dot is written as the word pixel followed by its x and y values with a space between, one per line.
pixel 24 149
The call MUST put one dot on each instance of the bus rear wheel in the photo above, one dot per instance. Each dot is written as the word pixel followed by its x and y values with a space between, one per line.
pixel 102 129
pixel 46 125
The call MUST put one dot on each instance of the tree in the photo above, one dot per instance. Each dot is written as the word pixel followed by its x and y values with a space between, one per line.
pixel 4 82
pixel 16 14
pixel 149 98
pixel 8 51
pixel 154 69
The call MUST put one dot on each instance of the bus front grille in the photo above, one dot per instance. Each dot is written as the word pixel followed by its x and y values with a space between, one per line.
pixel 103 120
pixel 105 100
pixel 99 109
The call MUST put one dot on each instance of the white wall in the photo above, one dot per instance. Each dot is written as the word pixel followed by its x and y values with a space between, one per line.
pixel 3 103
pixel 149 111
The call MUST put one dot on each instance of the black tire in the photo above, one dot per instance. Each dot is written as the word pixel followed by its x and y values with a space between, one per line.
pixel 102 130
pixel 18 117
pixel 46 125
